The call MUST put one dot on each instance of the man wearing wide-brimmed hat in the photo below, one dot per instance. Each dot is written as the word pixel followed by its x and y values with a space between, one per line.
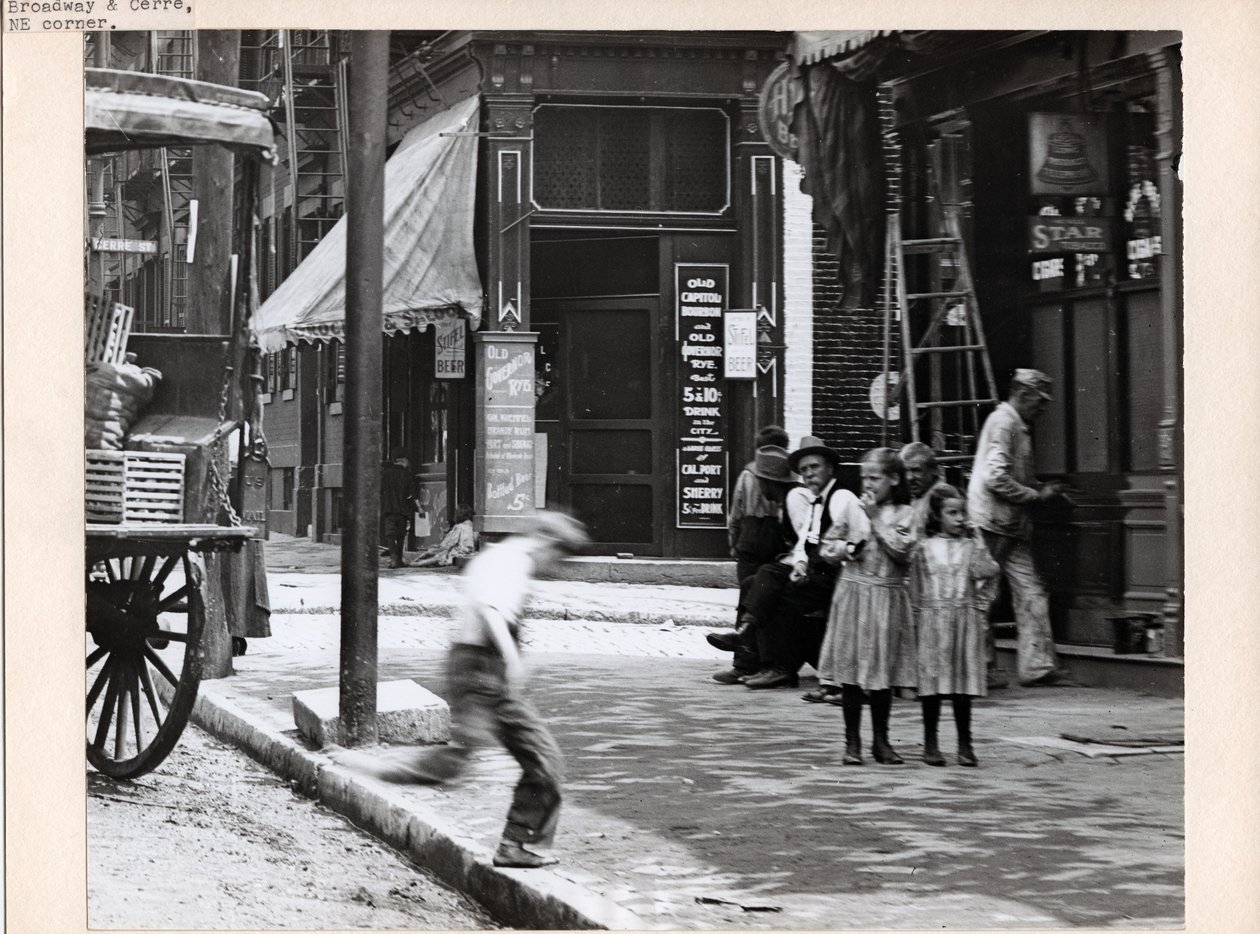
pixel 757 536
pixel 785 597
pixel 1003 485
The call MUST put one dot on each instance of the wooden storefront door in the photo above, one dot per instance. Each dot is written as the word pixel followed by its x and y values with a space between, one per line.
pixel 600 406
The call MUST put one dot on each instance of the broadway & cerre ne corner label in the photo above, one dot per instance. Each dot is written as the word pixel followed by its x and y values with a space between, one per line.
pixel 95 15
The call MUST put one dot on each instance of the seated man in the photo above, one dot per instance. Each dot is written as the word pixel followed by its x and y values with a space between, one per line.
pixel 459 542
pixel 757 537
pixel 787 602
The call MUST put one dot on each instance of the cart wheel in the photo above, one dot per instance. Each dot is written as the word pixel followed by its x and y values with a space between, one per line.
pixel 144 659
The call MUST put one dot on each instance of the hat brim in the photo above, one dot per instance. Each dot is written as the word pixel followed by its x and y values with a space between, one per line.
pixel 794 459
pixel 786 477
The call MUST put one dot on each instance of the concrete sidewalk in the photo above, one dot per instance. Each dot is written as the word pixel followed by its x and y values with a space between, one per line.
pixel 690 805
pixel 304 577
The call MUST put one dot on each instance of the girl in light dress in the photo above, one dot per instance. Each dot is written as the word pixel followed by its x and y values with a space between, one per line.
pixel 953 579
pixel 869 647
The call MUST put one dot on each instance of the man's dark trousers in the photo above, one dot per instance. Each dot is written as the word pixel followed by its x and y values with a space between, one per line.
pixel 787 635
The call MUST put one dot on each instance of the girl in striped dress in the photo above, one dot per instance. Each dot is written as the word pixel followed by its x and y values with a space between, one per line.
pixel 870 647
pixel 953 580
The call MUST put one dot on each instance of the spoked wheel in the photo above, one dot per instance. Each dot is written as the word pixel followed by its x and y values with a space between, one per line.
pixel 145 616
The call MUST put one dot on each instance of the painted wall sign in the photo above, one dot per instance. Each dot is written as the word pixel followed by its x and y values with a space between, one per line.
pixel 779 97
pixel 701 297
pixel 1067 154
pixel 504 458
pixel 739 358
pixel 450 349
pixel 1069 234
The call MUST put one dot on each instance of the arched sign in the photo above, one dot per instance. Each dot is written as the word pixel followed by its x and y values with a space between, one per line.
pixel 779 97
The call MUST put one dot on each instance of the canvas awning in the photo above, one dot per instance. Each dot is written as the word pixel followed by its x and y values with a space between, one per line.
pixel 430 270
pixel 811 47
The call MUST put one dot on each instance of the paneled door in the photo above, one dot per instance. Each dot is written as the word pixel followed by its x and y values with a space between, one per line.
pixel 599 404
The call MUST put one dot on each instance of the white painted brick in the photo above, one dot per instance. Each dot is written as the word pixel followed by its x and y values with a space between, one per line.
pixel 798 306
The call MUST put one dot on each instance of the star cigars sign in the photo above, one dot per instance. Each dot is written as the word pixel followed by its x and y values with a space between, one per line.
pixel 1069 234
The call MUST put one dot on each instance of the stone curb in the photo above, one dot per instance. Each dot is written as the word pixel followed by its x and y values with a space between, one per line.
pixel 532 611
pixel 525 899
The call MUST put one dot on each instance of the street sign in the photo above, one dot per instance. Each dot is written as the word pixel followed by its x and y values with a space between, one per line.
pixel 779 97
pixel 119 245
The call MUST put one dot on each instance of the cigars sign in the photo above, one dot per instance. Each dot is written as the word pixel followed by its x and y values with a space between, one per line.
pixel 701 291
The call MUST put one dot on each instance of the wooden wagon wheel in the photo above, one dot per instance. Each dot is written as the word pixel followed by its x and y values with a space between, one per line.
pixel 144 658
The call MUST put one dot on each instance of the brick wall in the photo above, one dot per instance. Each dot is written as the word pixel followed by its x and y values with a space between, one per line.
pixel 848 348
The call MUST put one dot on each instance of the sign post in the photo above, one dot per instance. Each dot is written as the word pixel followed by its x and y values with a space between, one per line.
pixel 701 290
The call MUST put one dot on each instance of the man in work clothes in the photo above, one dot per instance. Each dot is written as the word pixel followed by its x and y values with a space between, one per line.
pixel 1003 485
pixel 397 504
pixel 786 596
pixel 485 675
pixel 757 537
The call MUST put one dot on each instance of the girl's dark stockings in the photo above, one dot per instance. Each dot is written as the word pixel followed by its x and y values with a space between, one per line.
pixel 881 713
pixel 931 719
pixel 851 703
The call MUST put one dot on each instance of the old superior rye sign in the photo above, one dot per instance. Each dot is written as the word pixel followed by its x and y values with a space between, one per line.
pixel 702 461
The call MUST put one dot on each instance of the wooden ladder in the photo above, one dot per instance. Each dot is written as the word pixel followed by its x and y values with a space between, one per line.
pixel 940 324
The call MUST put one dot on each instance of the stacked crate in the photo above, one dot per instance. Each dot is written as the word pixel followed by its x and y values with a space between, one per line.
pixel 135 486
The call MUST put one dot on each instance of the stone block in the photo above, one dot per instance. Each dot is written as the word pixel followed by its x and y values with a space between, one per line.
pixel 405 713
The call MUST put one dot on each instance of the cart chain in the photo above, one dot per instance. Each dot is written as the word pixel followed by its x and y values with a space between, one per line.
pixel 217 483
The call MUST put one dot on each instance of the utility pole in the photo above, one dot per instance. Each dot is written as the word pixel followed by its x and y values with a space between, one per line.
pixel 96 202
pixel 209 309
pixel 365 225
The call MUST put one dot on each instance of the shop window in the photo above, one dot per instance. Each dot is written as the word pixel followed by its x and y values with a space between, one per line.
pixel 282 488
pixel 1141 208
pixel 631 159
pixel 334 371
pixel 435 442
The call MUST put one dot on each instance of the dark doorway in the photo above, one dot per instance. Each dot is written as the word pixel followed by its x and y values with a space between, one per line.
pixel 599 404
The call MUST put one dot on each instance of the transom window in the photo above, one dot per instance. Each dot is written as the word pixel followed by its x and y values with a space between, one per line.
pixel 659 160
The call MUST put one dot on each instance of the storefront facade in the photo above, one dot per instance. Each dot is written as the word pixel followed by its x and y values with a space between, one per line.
pixel 626 201
pixel 1061 153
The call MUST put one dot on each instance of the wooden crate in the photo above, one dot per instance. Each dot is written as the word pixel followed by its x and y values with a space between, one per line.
pixel 105 486
pixel 154 487
pixel 106 330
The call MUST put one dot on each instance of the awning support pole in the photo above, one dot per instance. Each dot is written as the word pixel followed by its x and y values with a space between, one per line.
pixel 365 228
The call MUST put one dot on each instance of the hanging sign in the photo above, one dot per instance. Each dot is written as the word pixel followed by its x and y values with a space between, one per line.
pixel 779 97
pixel 739 359
pixel 450 349
pixel 1069 234
pixel 701 291
pixel 1067 154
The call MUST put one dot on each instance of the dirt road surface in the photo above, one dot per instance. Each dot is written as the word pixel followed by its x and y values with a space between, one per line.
pixel 212 840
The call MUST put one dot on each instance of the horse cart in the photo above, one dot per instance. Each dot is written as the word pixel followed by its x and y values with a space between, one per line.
pixel 159 501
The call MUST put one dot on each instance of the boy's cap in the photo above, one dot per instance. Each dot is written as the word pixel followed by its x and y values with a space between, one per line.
pixel 1035 380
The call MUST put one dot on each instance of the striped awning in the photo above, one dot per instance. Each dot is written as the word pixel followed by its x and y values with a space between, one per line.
pixel 430 267
pixel 811 47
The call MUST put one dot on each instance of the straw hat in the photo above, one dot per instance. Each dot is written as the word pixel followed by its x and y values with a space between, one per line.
pixel 811 445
